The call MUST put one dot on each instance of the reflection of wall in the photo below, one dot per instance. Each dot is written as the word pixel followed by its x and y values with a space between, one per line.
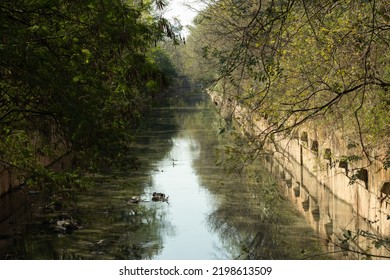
pixel 319 182
pixel 329 215
pixel 365 196
pixel 13 214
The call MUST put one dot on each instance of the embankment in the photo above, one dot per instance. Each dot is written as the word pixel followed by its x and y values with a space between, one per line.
pixel 333 194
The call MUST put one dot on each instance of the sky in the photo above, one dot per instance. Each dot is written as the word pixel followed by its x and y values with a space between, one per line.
pixel 179 9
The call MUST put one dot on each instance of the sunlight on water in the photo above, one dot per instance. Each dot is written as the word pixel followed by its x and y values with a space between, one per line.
pixel 188 208
pixel 209 214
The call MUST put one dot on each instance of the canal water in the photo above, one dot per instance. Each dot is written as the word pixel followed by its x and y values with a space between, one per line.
pixel 209 214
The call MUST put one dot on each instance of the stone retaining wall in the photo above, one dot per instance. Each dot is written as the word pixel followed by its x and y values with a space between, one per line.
pixel 312 158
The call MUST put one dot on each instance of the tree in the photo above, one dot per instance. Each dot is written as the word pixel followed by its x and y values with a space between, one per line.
pixel 75 80
pixel 301 62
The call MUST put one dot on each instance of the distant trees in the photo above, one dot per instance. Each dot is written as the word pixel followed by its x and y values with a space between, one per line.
pixel 292 62
pixel 75 78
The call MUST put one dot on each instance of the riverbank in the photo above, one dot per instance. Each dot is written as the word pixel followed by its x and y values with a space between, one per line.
pixel 321 174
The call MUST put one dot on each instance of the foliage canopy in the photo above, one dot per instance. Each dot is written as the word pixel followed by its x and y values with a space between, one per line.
pixel 297 62
pixel 76 77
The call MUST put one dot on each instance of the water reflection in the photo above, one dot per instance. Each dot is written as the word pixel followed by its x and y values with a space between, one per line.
pixel 333 219
pixel 189 205
pixel 209 215
pixel 250 217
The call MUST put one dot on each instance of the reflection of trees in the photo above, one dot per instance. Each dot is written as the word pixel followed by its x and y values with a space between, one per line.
pixel 111 228
pixel 121 230
pixel 251 215
pixel 258 220
pixel 154 142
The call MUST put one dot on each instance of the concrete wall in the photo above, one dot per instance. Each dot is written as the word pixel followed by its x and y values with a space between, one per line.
pixel 328 192
pixel 59 160
pixel 7 179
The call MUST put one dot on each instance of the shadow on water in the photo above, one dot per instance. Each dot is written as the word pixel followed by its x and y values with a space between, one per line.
pixel 254 219
pixel 208 215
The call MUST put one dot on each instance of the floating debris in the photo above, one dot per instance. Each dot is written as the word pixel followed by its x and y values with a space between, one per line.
pixel 53 206
pixel 64 223
pixel 159 197
pixel 100 242
pixel 134 199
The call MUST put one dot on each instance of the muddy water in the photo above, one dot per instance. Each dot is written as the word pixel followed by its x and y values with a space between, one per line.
pixel 208 215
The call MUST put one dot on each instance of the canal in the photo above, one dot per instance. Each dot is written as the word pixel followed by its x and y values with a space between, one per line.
pixel 208 214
